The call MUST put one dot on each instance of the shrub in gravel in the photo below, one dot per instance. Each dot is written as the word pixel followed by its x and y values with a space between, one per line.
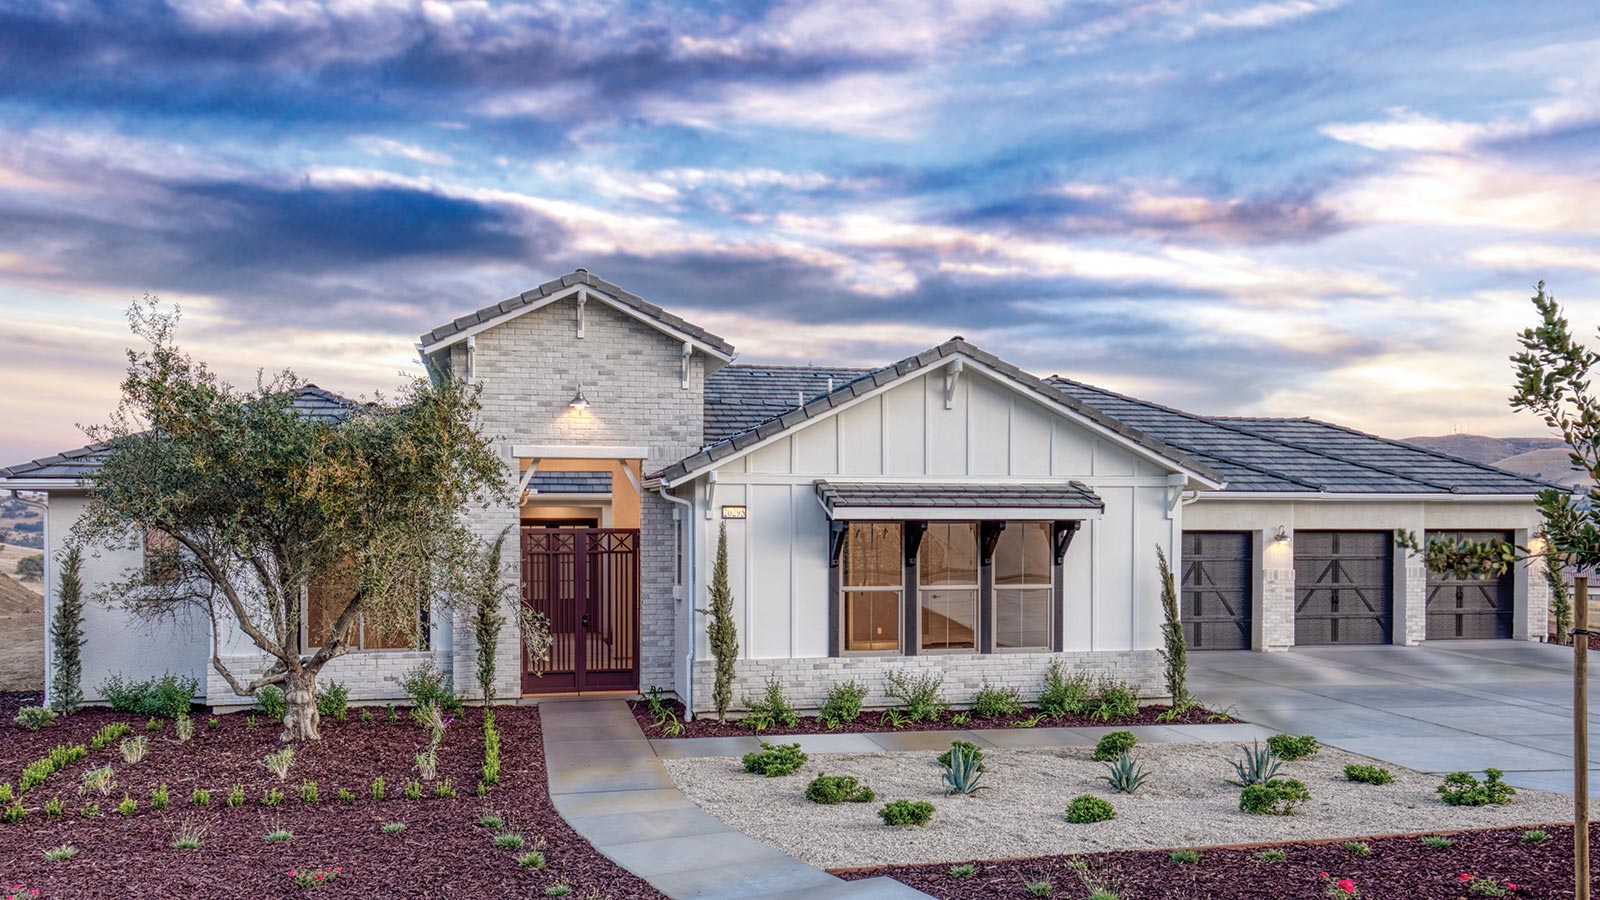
pixel 492 821
pixel 1277 797
pixel 508 840
pixel 965 870
pixel 34 718
pixel 200 797
pixel 1115 699
pixel 100 779
pixel 128 806
pixel 1065 695
pixel 906 812
pixel 1357 848
pixel 165 696
pixel 308 791
pixel 346 795
pixel 6 795
pixel 443 789
pixel 558 890
pixel 278 834
pixel 278 763
pixel 273 797
pixel 1124 774
pixel 159 797
pixel 366 715
pixel 306 879
pixel 14 813
pixel 1437 842
pixel 921 698
pixel 1258 766
pixel 1461 789
pixel 1185 857
pixel 134 748
pixel 270 703
pixel 61 853
pixel 53 808
pixel 533 859
pixel 1041 888
pixel 426 687
pixel 89 810
pixel 772 709
pixel 1292 748
pixel 333 701
pixel 831 789
pixel 236 795
pixel 378 790
pixel 773 760
pixel 393 827
pixel 183 728
pixel 1114 745
pixel 189 836
pixel 491 749
pixel 1272 856
pixel 154 724
pixel 213 723
pixel 1368 774
pixel 963 772
pixel 997 703
pixel 1087 808
pixel 412 790
pixel 843 703
pixel 962 747
pixel 1536 836
pixel 108 733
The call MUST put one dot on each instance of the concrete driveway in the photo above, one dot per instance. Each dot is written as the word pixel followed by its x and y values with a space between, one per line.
pixel 1442 707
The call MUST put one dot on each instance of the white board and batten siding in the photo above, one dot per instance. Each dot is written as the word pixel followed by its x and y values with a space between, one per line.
pixel 778 553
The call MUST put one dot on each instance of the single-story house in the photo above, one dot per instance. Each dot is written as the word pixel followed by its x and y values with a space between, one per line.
pixel 945 512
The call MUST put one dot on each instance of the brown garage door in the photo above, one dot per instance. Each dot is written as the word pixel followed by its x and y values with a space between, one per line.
pixel 1470 607
pixel 1343 587
pixel 1215 600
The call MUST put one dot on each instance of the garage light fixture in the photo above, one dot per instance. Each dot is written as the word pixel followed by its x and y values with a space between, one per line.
pixel 580 402
pixel 1282 536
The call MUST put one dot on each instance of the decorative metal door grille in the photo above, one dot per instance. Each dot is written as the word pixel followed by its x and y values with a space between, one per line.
pixel 1471 607
pixel 586 582
pixel 1344 587
pixel 1215 598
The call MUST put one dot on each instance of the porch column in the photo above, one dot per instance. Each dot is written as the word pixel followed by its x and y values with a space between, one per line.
pixel 1274 614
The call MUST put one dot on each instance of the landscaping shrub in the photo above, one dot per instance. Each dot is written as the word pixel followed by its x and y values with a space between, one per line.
pixel 236 795
pixel 963 771
pixel 378 790
pixel 1087 808
pixel 346 796
pixel 922 697
pixel 997 703
pixel 509 840
pixel 108 733
pixel 271 703
pixel 128 806
pixel 272 797
pixel 305 879
pixel 843 703
pixel 392 827
pixel 1437 842
pixel 308 791
pixel 1293 748
pixel 53 808
pixel 277 834
pixel 772 709
pixel 90 810
pixel 533 859
pixel 773 760
pixel 189 836
pixel 831 789
pixel 721 631
pixel 34 718
pixel 14 813
pixel 333 701
pixel 443 789
pixel 101 780
pixel 1272 856
pixel 1461 789
pixel 426 686
pixel 1063 695
pixel 1114 745
pixel 965 870
pixel 159 797
pixel 412 790
pixel 906 812
pixel 183 728
pixel 1043 887
pixel 1174 648
pixel 963 747
pixel 1357 848
pixel 433 720
pixel 200 797
pixel 66 634
pixel 154 724
pixel 1259 766
pixel 1124 774
pixel 1277 797
pixel 6 795
pixel 134 748
pixel 1185 857
pixel 1116 700
pixel 61 853
pixel 491 749
pixel 1536 836
pixel 165 696
pixel 1367 774
pixel 278 763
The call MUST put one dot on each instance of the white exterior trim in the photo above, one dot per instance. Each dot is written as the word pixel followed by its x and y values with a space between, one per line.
pixel 43 484
pixel 577 451
pixel 1370 498
pixel 964 513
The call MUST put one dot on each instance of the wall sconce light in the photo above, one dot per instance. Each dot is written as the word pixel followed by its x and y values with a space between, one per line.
pixel 580 402
pixel 1282 537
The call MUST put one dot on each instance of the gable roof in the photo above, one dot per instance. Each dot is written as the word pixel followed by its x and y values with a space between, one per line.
pixel 632 304
pixel 870 381
pixel 740 397
pixel 73 466
pixel 1259 454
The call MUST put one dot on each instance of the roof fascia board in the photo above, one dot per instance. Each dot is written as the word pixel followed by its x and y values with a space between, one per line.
pixel 1375 497
pixel 964 513
pixel 43 484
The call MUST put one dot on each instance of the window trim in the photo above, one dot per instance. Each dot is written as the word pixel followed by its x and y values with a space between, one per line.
pixel 976 588
pixel 841 591
pixel 424 629
pixel 1054 611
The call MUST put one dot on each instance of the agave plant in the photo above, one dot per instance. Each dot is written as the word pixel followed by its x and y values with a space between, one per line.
pixel 1125 774
pixel 1259 766
pixel 963 772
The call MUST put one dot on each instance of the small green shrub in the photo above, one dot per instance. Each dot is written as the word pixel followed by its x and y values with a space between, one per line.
pixel 831 789
pixel 1273 855
pixel 1277 797
pixel 278 835
pixel 1437 842
pixel 378 790
pixel 213 723
pixel 1185 857
pixel 34 718
pixel 1259 766
pixel 271 703
pixel 15 813
pixel 1368 774
pixel 508 840
pixel 333 701
pixel 199 797
pixel 165 696
pixel 492 821
pixel 272 797
pixel 412 789
pixel 366 714
pixel 965 870
pixel 773 760
pixel 53 808
pixel 249 722
pixel 1043 887
pixel 189 836
pixel 961 747
pixel 154 724
pixel 134 749
pixel 1292 748
pixel 1536 836
pixel 159 797
pixel 308 791
pixel 906 812
pixel 279 763
pixel 922 697
pixel 843 703
pixel 1064 695
pixel 1357 848
pixel 772 709
pixel 491 749
pixel 393 827
pixel 443 789
pixel 1115 700
pixel 236 796
pixel 426 686
pixel 90 810
pixel 533 859
pixel 346 796
pixel 997 703
pixel 1461 789
pixel 558 890
pixel 108 734
pixel 1087 808
pixel 60 854
pixel 100 779
pixel 1125 774
pixel 128 806
pixel 1114 745
pixel 963 772
pixel 183 728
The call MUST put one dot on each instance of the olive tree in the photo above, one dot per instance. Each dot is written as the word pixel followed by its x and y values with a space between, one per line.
pixel 256 497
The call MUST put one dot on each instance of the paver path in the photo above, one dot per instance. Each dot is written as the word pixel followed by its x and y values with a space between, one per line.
pixel 1442 707
pixel 606 781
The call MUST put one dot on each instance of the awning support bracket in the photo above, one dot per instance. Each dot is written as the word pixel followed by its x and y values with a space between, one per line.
pixel 1064 533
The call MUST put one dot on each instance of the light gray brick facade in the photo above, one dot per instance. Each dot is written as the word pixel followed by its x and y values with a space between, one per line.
pixel 370 677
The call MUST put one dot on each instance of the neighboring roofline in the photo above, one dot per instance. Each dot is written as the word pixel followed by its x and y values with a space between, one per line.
pixel 43 484
pixel 1366 497
pixel 576 283
pixel 1221 422
pixel 880 380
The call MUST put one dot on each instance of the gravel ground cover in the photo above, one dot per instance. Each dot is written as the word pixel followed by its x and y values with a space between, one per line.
pixel 1398 868
pixel 441 852
pixel 1188 800
pixel 871 721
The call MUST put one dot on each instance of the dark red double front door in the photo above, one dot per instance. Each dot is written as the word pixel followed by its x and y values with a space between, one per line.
pixel 586 583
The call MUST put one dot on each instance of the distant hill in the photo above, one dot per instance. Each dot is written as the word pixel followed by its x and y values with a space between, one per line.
pixel 1540 457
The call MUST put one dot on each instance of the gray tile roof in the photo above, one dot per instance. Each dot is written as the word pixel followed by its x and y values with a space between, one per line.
pixel 76 465
pixel 843 496
pixel 578 276
pixel 1304 455
pixel 871 380
pixel 571 482
pixel 740 397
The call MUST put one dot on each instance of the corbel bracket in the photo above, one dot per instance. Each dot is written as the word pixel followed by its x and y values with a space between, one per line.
pixel 1064 533
pixel 952 374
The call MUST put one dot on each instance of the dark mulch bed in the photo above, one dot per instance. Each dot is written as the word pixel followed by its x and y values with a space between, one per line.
pixel 1400 868
pixel 708 726
pixel 441 853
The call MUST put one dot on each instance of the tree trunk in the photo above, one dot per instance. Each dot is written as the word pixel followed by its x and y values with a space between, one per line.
pixel 300 719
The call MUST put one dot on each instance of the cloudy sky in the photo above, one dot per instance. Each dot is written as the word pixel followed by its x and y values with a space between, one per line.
pixel 1292 207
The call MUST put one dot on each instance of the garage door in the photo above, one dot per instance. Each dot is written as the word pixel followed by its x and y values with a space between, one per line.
pixel 1343 587
pixel 1215 598
pixel 1471 607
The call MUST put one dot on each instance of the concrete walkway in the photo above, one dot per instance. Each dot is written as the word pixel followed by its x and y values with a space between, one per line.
pixel 606 781
pixel 1442 707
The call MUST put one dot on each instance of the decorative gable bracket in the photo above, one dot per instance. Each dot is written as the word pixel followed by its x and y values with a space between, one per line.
pixel 952 374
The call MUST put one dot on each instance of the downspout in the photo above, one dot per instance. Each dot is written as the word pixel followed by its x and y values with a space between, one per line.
pixel 49 580
pixel 689 581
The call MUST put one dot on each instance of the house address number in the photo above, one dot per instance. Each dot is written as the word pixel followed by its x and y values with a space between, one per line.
pixel 733 512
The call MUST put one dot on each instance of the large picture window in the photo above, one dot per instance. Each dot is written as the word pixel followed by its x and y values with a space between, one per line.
pixel 1024 587
pixel 947 589
pixel 327 594
pixel 872 584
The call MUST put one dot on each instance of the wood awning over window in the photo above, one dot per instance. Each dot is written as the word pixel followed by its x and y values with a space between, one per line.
pixel 1056 501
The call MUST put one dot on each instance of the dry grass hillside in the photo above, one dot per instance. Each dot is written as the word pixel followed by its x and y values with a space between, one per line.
pixel 22 623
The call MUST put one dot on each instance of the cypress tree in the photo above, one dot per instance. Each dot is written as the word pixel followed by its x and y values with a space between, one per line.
pixel 724 637
pixel 1175 651
pixel 66 635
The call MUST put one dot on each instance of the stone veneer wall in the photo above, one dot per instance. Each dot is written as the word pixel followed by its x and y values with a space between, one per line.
pixel 530 367
pixel 371 676
pixel 1277 606
pixel 806 681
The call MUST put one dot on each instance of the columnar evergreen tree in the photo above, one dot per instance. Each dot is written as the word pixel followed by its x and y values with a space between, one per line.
pixel 1560 595
pixel 1175 650
pixel 66 635
pixel 724 637
pixel 489 591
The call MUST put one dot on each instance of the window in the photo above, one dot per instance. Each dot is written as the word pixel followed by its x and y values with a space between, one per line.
pixel 161 557
pixel 871 582
pixel 1024 588
pixel 328 593
pixel 947 588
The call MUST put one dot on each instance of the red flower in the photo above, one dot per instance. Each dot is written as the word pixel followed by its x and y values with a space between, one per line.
pixel 321 875
pixel 1510 886
pixel 1346 885
pixel 1324 876
pixel 1465 877
pixel 293 872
